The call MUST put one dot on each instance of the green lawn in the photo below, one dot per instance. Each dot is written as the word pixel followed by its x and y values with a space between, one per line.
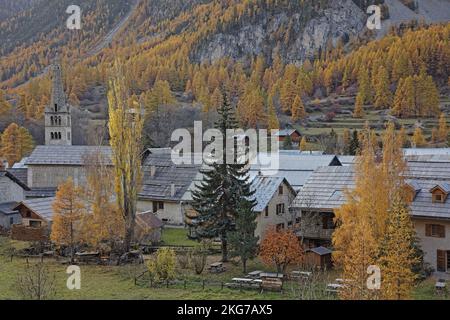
pixel 106 282
pixel 177 237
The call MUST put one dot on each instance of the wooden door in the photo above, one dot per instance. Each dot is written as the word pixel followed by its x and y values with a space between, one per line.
pixel 441 261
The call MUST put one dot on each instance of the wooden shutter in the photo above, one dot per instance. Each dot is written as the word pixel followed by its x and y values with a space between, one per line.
pixel 441 231
pixel 428 230
pixel 440 263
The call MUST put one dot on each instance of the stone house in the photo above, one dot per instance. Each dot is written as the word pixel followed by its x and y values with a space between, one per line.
pixel 428 183
pixel 273 197
pixel 164 185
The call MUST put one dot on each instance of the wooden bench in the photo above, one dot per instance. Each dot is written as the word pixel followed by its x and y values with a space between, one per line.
pixel 217 267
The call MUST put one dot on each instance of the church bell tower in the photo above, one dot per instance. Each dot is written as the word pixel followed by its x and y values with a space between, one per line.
pixel 58 119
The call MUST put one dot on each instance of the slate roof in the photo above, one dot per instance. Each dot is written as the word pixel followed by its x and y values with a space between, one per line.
pixel 40 193
pixel 65 155
pixel 7 208
pixel 20 173
pixel 159 186
pixel 321 251
pixel 295 167
pixel 285 132
pixel 42 207
pixel 325 189
pixel 265 188
pixel 13 178
pixel 426 151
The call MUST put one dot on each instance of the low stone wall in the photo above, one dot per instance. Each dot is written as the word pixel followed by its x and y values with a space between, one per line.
pixel 23 233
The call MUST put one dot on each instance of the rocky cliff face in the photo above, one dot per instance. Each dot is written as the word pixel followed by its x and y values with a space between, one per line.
pixel 300 37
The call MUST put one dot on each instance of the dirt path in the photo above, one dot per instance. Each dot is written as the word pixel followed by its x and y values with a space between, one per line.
pixel 112 33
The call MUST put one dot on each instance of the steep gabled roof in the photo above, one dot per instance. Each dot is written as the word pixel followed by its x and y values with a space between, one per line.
pixel 167 177
pixel 42 207
pixel 265 188
pixel 13 178
pixel 325 188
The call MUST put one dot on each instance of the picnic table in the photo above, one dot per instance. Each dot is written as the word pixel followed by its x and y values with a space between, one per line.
pixel 216 267
pixel 255 274
pixel 334 287
pixel 300 274
pixel 245 283
pixel 272 275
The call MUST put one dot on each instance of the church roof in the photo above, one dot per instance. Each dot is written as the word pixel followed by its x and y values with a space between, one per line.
pixel 66 155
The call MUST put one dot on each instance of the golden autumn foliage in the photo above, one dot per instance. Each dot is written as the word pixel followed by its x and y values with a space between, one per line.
pixel 367 220
pixel 303 144
pixel 442 133
pixel 68 208
pixel 15 143
pixel 125 130
pixel 418 138
pixel 398 255
pixel 280 248
pixel 102 220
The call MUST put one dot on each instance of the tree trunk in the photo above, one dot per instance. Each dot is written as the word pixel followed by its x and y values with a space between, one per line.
pixel 224 249
pixel 244 265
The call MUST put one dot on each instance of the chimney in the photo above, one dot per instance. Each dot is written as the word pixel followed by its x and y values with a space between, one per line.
pixel 172 190
pixel 152 171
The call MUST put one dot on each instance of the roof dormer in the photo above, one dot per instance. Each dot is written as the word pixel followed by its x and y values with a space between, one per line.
pixel 412 190
pixel 440 192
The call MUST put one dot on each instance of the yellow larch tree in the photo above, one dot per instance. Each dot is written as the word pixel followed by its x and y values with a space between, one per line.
pixel 443 129
pixel 418 139
pixel 103 221
pixel 398 256
pixel 68 210
pixel 383 96
pixel 272 119
pixel 298 109
pixel 303 144
pixel 15 143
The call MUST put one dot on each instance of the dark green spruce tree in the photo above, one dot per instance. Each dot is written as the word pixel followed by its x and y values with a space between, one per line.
pixel 354 143
pixel 222 189
pixel 243 241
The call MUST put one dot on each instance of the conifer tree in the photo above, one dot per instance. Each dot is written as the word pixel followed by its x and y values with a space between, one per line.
pixel 383 96
pixel 272 119
pixel 298 109
pixel 15 143
pixel 364 88
pixel 443 129
pixel 398 254
pixel 358 112
pixel 223 187
pixel 68 209
pixel 287 143
pixel 303 144
pixel 354 143
pixel 418 138
pixel 243 241
pixel 346 139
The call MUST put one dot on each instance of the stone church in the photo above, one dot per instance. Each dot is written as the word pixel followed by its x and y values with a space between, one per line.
pixel 58 120
pixel 53 163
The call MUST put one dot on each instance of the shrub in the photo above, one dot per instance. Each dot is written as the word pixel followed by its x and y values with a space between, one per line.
pixel 162 267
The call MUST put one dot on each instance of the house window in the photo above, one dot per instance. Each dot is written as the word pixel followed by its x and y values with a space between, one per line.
pixel 11 221
pixel 266 211
pixel 35 224
pixel 280 208
pixel 327 222
pixel 435 230
pixel 280 226
pixel 161 205
pixel 280 190
pixel 438 198
pixel 56 107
